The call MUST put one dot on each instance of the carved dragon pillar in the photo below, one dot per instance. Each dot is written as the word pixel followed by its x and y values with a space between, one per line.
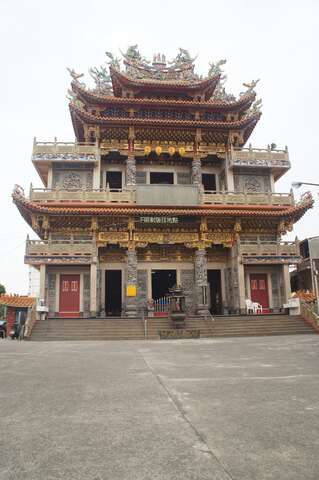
pixel 201 284
pixel 196 170
pixel 130 171
pixel 131 282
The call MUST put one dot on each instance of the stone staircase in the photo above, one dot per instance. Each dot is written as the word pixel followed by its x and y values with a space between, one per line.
pixel 133 328
pixel 259 325
pixel 88 329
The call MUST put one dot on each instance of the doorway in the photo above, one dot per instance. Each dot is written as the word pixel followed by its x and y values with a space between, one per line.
pixel 215 286
pixel 69 304
pixel 162 281
pixel 209 181
pixel 114 180
pixel 113 293
pixel 259 289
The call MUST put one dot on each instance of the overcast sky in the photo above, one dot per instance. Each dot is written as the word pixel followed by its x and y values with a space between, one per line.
pixel 276 41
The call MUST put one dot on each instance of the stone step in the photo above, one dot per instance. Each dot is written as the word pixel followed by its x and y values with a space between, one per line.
pixel 133 329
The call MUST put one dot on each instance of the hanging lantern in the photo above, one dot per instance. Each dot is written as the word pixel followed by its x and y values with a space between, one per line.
pixel 158 150
pixel 181 151
pixel 147 150
pixel 171 151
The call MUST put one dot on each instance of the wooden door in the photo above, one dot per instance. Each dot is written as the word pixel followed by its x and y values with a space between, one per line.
pixel 69 295
pixel 259 289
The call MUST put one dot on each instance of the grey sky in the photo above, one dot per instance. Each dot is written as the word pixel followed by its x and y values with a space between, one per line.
pixel 276 41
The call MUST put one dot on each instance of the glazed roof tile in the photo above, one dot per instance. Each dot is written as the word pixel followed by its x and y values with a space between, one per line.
pixel 214 104
pixel 21 301
pixel 89 117
pixel 74 208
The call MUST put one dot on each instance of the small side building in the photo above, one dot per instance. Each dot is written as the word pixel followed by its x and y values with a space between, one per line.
pixel 17 307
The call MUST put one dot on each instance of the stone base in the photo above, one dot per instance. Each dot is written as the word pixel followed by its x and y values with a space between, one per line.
pixel 174 334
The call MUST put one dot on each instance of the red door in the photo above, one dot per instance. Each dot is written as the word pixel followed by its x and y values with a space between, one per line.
pixel 259 290
pixel 69 295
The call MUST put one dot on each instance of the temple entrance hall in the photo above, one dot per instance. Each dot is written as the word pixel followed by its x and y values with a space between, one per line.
pixel 113 292
pixel 162 281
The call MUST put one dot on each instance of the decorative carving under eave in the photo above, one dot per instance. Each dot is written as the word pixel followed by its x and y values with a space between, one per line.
pixel 35 224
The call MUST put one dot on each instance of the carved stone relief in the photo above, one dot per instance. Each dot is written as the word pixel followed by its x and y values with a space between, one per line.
pixel 141 289
pixel 86 294
pixel 51 292
pixel 72 179
pixel 187 284
pixel 252 183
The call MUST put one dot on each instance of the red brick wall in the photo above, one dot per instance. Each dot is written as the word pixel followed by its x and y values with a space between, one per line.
pixel 10 318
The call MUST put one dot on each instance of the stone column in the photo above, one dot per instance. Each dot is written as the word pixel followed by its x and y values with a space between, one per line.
pixel 286 281
pixel 201 284
pixel 241 287
pixel 196 171
pixel 93 289
pixel 130 171
pixel 43 282
pixel 131 280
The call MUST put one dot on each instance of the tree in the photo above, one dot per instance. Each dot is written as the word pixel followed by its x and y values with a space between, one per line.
pixel 2 308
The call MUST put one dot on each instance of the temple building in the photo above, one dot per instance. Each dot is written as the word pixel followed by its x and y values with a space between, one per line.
pixel 159 188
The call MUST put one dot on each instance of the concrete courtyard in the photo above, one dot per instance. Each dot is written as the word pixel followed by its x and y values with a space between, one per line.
pixel 244 409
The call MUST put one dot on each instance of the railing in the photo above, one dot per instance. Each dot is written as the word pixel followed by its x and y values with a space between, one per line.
pixel 259 157
pixel 59 247
pixel 55 147
pixel 262 248
pixel 97 195
pixel 246 198
pixel 161 305
pixel 160 194
pixel 308 313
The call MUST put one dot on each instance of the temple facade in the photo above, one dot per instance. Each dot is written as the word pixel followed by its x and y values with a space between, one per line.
pixel 159 188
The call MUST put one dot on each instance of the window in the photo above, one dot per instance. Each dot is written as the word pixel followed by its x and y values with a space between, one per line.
pixel 74 286
pixel 65 286
pixel 162 178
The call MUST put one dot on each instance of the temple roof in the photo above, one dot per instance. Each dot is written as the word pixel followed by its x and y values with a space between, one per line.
pixel 135 73
pixel 287 213
pixel 213 105
pixel 245 121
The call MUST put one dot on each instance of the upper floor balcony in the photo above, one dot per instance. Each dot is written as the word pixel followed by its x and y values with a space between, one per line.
pixel 263 251
pixel 160 195
pixel 53 251
pixel 59 150
pixel 262 158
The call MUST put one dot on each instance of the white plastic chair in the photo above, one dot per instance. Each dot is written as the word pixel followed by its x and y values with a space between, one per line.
pixel 249 306
pixel 257 308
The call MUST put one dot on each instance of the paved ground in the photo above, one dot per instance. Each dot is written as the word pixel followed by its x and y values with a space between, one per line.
pixel 244 409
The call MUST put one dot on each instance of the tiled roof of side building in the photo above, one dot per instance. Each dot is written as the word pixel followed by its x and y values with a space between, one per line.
pixel 22 301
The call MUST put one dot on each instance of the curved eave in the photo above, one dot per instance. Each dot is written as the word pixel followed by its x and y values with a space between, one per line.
pixel 88 117
pixel 94 98
pixel 291 213
pixel 120 80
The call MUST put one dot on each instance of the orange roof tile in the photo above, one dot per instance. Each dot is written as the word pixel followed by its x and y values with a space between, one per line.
pixel 21 301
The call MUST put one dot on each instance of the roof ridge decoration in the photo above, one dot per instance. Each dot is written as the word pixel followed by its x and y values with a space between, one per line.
pixel 137 67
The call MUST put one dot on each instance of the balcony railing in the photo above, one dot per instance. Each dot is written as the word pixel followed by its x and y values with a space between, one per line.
pixel 48 248
pixel 61 149
pixel 259 157
pixel 268 248
pixel 98 195
pixel 160 194
pixel 247 198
